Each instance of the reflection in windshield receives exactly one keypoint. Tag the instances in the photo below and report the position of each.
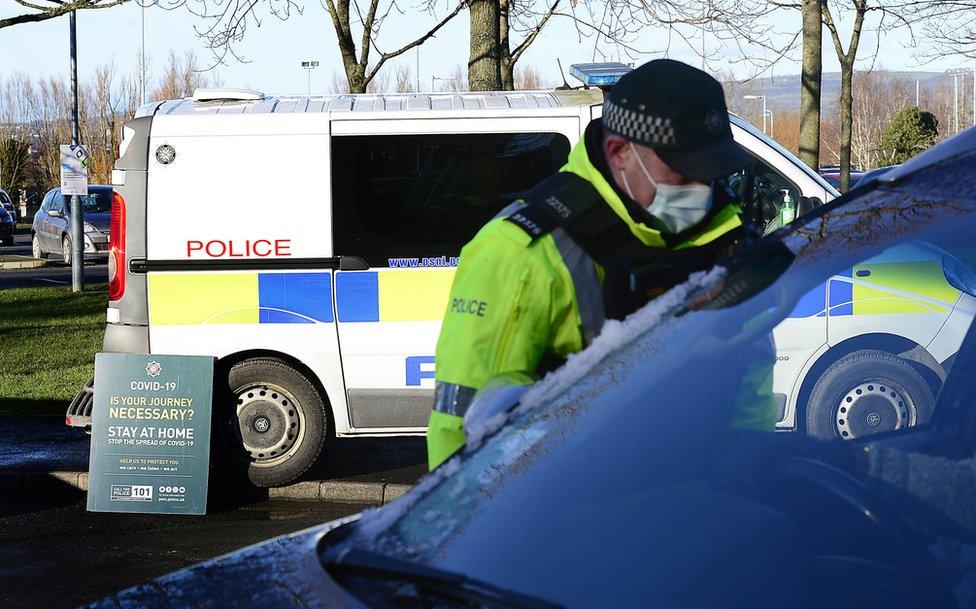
(866, 320)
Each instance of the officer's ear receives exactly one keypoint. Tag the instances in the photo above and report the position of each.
(617, 152)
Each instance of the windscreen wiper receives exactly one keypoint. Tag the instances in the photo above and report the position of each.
(455, 585)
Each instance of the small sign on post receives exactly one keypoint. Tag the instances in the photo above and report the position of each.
(74, 169)
(150, 446)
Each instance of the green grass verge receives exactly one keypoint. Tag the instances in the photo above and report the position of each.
(49, 338)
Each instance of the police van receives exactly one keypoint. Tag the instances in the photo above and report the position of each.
(309, 244)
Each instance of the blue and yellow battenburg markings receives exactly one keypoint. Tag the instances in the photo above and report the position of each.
(881, 288)
(273, 298)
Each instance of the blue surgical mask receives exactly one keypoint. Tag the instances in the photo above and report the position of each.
(677, 207)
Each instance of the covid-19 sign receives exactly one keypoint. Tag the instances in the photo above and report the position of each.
(150, 446)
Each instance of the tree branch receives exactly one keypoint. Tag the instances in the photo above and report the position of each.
(385, 56)
(52, 12)
(529, 39)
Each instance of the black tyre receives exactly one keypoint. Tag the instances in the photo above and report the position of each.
(868, 392)
(271, 423)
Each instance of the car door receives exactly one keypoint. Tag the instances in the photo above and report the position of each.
(406, 196)
(40, 224)
(55, 225)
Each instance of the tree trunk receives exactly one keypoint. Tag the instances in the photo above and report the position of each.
(810, 79)
(846, 119)
(355, 76)
(484, 65)
(506, 64)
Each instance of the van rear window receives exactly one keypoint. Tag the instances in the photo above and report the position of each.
(405, 197)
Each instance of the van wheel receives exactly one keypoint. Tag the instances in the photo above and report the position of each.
(36, 250)
(272, 421)
(66, 249)
(868, 392)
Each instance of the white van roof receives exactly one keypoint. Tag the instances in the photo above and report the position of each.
(406, 102)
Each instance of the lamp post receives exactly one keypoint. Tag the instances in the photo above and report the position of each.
(77, 216)
(308, 66)
(955, 112)
(142, 59)
(765, 112)
(957, 74)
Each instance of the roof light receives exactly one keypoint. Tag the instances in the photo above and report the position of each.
(603, 75)
(226, 94)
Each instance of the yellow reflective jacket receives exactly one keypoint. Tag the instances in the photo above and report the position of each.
(513, 302)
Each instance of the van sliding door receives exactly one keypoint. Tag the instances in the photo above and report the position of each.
(407, 195)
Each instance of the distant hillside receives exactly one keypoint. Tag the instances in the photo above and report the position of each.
(783, 92)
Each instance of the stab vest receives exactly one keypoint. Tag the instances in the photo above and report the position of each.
(588, 231)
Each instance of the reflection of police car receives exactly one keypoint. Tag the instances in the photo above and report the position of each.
(867, 350)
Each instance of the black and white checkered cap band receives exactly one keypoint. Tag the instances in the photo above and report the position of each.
(637, 127)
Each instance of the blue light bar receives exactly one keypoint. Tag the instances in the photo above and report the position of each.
(599, 74)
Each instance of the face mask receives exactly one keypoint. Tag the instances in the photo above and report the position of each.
(677, 207)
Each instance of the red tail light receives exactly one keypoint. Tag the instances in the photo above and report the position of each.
(116, 246)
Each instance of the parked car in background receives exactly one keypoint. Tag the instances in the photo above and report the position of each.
(831, 173)
(870, 175)
(51, 230)
(7, 203)
(619, 480)
(7, 224)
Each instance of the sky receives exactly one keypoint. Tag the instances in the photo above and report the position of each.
(276, 49)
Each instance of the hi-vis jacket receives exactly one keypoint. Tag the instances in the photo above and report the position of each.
(524, 298)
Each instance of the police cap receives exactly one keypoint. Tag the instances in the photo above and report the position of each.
(679, 112)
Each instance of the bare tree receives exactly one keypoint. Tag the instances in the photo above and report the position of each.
(484, 54)
(494, 55)
(522, 17)
(41, 10)
(950, 28)
(869, 118)
(35, 119)
(404, 80)
(529, 78)
(811, 76)
(891, 15)
(846, 59)
(181, 76)
(357, 29)
(338, 83)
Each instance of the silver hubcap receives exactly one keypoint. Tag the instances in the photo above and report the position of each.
(268, 423)
(873, 407)
(66, 250)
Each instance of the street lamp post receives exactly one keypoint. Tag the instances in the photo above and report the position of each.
(142, 58)
(765, 112)
(77, 218)
(308, 66)
(955, 113)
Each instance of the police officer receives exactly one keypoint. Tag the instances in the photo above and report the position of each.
(633, 213)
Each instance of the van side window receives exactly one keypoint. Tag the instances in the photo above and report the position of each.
(425, 196)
